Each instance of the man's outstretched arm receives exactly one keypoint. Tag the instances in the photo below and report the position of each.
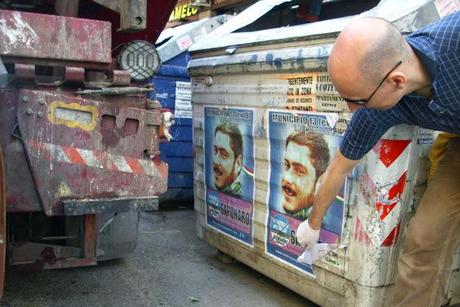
(337, 171)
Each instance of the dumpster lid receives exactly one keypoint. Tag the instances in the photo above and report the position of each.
(391, 10)
(179, 30)
(174, 41)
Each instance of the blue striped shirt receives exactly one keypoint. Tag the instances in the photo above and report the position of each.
(438, 47)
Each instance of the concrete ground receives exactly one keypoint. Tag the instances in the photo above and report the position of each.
(170, 267)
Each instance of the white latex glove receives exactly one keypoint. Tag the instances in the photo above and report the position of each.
(317, 252)
(306, 235)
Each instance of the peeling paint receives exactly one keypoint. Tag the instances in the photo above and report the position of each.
(18, 32)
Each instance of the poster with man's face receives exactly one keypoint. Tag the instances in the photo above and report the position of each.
(301, 146)
(229, 165)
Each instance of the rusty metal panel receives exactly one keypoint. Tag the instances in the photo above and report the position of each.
(82, 207)
(90, 149)
(133, 13)
(2, 222)
(30, 252)
(20, 191)
(89, 236)
(28, 35)
(39, 256)
(157, 15)
(3, 75)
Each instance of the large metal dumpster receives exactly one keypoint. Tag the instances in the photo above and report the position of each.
(171, 85)
(265, 116)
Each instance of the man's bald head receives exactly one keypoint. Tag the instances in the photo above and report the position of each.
(365, 50)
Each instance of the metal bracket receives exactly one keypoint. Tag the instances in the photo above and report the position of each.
(15, 131)
(198, 3)
(133, 13)
(114, 91)
(3, 75)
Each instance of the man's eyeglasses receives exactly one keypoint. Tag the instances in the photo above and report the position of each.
(363, 102)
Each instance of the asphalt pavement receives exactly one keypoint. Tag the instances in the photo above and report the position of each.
(170, 267)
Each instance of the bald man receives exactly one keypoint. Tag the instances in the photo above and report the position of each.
(388, 80)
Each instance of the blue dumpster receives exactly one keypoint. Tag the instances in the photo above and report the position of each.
(172, 90)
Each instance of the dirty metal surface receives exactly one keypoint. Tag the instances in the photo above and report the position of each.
(157, 16)
(28, 252)
(2, 222)
(407, 16)
(93, 149)
(69, 74)
(3, 75)
(42, 256)
(117, 234)
(133, 13)
(378, 196)
(89, 237)
(96, 238)
(20, 188)
(183, 37)
(290, 76)
(28, 35)
(81, 207)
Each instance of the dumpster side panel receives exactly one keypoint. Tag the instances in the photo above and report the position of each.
(377, 198)
(281, 76)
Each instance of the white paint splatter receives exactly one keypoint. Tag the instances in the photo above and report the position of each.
(18, 32)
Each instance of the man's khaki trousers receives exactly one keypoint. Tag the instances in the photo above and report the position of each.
(432, 237)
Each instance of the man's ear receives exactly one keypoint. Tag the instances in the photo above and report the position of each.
(398, 80)
(238, 164)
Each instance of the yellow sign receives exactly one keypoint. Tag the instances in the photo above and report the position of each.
(313, 92)
(182, 11)
(73, 115)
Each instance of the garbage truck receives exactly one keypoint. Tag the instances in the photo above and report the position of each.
(79, 139)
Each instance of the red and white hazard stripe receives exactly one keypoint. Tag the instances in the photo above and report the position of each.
(92, 158)
(384, 180)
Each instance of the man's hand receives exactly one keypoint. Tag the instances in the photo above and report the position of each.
(307, 236)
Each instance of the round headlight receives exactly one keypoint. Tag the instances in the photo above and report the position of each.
(140, 59)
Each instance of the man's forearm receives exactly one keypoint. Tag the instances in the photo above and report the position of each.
(328, 190)
(332, 182)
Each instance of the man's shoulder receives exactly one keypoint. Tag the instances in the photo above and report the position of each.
(367, 126)
(373, 117)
